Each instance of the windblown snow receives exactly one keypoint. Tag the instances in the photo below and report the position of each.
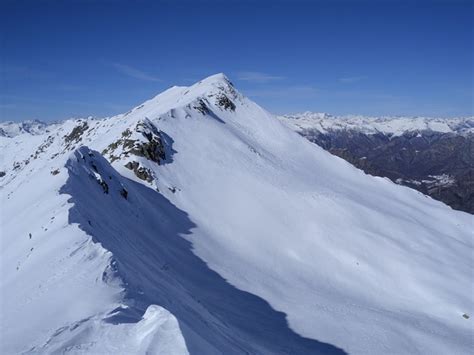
(199, 223)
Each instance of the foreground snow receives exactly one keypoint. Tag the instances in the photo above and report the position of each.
(245, 237)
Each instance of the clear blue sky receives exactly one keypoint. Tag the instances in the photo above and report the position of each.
(63, 59)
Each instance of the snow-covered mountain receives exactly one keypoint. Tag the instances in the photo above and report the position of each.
(389, 125)
(199, 223)
(12, 129)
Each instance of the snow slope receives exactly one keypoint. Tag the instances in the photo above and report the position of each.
(198, 223)
(394, 126)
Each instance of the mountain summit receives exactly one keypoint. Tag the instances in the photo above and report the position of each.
(199, 223)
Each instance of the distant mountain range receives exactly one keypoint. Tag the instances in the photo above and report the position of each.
(432, 155)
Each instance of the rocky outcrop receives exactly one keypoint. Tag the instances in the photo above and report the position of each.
(140, 171)
(224, 102)
(144, 141)
(75, 136)
(154, 148)
(201, 107)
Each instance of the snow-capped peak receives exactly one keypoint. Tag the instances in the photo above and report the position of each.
(216, 88)
(215, 79)
(215, 91)
(390, 125)
(11, 129)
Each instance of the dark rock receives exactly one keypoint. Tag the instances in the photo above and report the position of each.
(140, 172)
(144, 174)
(43, 146)
(104, 185)
(132, 165)
(127, 133)
(152, 148)
(225, 102)
(76, 134)
(2, 173)
(202, 107)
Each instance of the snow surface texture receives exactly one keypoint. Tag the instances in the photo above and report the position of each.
(394, 126)
(197, 223)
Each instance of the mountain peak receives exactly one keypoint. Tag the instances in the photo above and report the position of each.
(208, 85)
(216, 78)
(11, 129)
(393, 125)
(215, 90)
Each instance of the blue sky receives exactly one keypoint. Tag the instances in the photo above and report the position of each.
(63, 59)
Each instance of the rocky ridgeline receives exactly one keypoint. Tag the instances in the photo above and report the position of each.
(146, 141)
(142, 139)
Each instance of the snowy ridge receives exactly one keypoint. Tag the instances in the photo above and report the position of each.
(395, 126)
(199, 223)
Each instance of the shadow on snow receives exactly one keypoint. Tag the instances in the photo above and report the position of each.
(157, 266)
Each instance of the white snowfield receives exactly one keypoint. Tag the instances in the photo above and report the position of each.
(393, 126)
(244, 238)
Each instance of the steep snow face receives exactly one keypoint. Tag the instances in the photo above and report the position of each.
(395, 126)
(198, 222)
